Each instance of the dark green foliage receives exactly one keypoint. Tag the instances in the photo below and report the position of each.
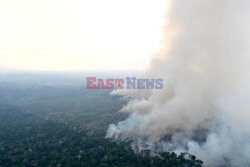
(66, 127)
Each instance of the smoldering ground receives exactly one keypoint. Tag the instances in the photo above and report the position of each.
(204, 106)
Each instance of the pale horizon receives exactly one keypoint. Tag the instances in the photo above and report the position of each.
(79, 35)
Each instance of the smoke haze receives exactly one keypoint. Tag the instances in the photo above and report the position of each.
(204, 106)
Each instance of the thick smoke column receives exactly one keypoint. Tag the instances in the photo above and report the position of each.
(204, 108)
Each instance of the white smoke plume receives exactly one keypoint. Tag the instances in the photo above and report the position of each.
(204, 108)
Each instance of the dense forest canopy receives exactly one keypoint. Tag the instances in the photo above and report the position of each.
(52, 120)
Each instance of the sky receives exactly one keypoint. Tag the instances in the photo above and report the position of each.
(73, 35)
